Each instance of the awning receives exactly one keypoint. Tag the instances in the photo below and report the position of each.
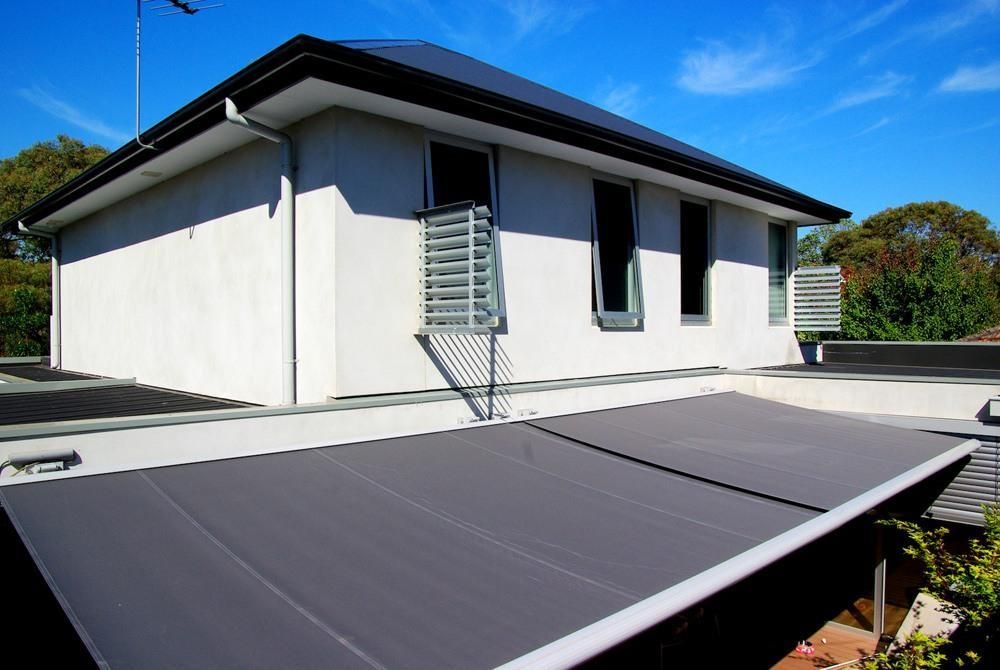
(468, 548)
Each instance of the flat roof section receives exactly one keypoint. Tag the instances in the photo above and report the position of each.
(41, 373)
(99, 403)
(883, 370)
(802, 456)
(467, 548)
(460, 549)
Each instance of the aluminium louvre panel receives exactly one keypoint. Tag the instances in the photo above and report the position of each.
(816, 298)
(976, 485)
(456, 266)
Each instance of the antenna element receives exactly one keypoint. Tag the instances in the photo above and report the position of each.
(189, 7)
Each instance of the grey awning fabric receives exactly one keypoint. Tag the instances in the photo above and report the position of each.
(466, 548)
(810, 458)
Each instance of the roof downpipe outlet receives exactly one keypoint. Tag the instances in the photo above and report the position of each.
(288, 365)
(55, 326)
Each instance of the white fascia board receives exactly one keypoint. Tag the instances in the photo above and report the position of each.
(602, 635)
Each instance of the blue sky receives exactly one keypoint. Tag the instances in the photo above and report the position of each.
(865, 105)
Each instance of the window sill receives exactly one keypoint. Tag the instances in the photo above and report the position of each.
(618, 322)
(695, 320)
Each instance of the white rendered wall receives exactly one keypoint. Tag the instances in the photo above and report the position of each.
(544, 214)
(178, 286)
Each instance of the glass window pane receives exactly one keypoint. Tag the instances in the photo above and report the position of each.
(459, 174)
(777, 265)
(616, 246)
(695, 259)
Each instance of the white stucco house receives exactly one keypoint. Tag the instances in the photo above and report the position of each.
(606, 248)
(512, 336)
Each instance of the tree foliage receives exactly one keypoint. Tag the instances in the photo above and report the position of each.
(923, 271)
(24, 307)
(897, 229)
(812, 244)
(920, 293)
(968, 585)
(32, 174)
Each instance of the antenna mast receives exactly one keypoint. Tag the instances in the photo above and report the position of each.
(171, 7)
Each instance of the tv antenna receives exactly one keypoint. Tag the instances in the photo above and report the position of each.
(189, 7)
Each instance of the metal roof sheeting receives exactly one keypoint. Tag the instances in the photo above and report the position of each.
(427, 75)
(100, 402)
(467, 548)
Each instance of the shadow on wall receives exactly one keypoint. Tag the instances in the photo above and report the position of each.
(205, 193)
(473, 361)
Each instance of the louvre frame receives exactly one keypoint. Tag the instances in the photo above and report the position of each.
(458, 277)
(816, 298)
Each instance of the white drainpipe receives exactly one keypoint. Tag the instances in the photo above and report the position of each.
(288, 372)
(55, 327)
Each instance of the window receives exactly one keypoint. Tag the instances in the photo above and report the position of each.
(462, 280)
(617, 293)
(777, 277)
(696, 261)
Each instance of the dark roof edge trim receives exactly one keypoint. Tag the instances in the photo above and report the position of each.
(602, 635)
(303, 56)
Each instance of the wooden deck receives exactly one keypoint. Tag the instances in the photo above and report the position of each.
(841, 645)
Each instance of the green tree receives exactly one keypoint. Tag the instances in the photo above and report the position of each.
(968, 583)
(812, 244)
(30, 175)
(923, 271)
(24, 307)
(919, 223)
(919, 293)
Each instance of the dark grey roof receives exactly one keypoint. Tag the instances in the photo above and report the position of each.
(460, 549)
(885, 370)
(459, 67)
(785, 452)
(100, 402)
(41, 373)
(427, 75)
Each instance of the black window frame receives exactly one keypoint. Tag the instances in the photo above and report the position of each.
(430, 138)
(705, 317)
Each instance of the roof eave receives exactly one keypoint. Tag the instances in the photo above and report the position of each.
(303, 56)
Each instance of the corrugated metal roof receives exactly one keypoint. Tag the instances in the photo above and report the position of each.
(428, 75)
(41, 373)
(100, 402)
(459, 67)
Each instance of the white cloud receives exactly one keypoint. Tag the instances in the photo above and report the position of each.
(884, 121)
(972, 78)
(532, 16)
(61, 109)
(885, 86)
(873, 19)
(622, 99)
(957, 17)
(967, 14)
(718, 69)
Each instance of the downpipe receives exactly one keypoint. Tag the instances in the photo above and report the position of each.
(288, 370)
(55, 327)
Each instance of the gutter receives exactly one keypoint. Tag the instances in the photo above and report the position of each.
(55, 325)
(288, 363)
(305, 57)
